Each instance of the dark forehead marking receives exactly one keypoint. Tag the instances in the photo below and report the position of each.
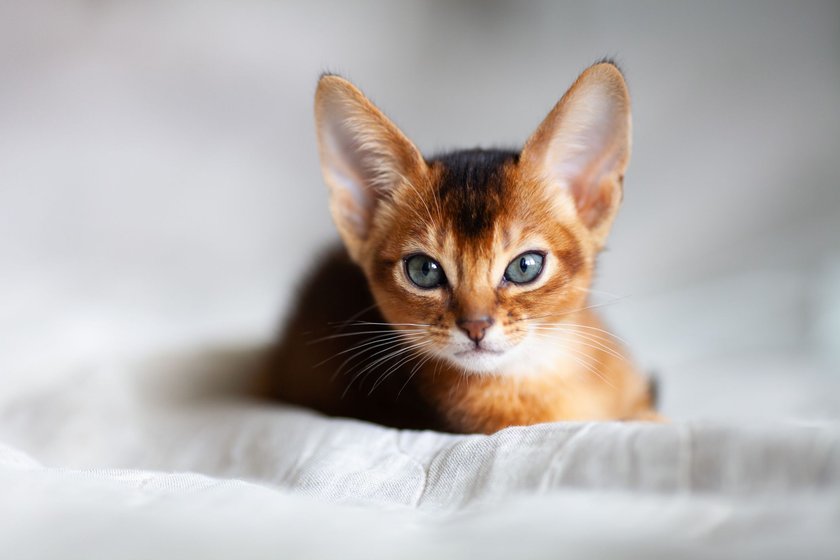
(472, 187)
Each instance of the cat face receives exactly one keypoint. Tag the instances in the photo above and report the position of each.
(471, 254)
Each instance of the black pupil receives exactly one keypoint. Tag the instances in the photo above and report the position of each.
(523, 264)
(426, 268)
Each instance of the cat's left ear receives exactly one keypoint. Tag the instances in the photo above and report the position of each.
(364, 158)
(583, 146)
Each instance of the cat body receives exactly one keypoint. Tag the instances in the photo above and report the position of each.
(460, 300)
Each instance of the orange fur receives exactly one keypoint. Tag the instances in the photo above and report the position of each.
(545, 356)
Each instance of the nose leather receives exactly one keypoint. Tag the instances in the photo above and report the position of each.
(475, 328)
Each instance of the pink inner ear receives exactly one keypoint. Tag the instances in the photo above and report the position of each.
(344, 159)
(594, 186)
(587, 150)
(363, 155)
(595, 202)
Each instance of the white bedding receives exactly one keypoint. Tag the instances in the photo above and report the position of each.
(161, 459)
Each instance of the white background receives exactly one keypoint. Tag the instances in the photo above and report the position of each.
(159, 184)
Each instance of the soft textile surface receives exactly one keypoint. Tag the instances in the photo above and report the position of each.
(162, 458)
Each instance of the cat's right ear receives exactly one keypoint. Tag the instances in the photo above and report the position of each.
(364, 157)
(583, 146)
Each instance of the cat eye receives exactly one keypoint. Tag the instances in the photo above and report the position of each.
(424, 271)
(525, 268)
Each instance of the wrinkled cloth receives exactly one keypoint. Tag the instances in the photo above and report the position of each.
(145, 461)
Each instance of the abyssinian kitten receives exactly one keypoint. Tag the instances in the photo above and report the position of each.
(459, 300)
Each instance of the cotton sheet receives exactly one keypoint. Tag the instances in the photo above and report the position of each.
(166, 458)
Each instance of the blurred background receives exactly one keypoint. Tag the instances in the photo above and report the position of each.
(160, 189)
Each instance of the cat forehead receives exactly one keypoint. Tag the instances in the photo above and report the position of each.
(475, 203)
(474, 189)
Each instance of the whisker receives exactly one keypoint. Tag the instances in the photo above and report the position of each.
(367, 368)
(601, 347)
(393, 324)
(611, 343)
(414, 370)
(598, 332)
(585, 336)
(423, 200)
(608, 333)
(369, 345)
(378, 338)
(359, 333)
(547, 336)
(401, 358)
(591, 368)
(355, 315)
(577, 356)
(393, 368)
(571, 311)
(580, 358)
(390, 347)
(438, 206)
(594, 291)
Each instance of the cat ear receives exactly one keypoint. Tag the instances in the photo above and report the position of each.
(364, 157)
(583, 146)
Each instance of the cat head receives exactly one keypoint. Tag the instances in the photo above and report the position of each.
(465, 252)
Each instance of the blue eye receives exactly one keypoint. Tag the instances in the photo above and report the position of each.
(525, 268)
(424, 271)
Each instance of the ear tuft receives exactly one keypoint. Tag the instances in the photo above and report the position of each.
(608, 60)
(364, 156)
(583, 145)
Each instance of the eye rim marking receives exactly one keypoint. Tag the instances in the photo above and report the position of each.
(442, 282)
(543, 256)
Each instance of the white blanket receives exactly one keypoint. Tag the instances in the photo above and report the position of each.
(162, 459)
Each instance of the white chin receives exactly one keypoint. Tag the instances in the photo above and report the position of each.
(478, 361)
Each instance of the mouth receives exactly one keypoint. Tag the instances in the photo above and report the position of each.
(478, 360)
(478, 352)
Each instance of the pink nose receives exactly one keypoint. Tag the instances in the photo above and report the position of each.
(475, 328)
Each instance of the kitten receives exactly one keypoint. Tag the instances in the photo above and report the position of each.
(459, 301)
